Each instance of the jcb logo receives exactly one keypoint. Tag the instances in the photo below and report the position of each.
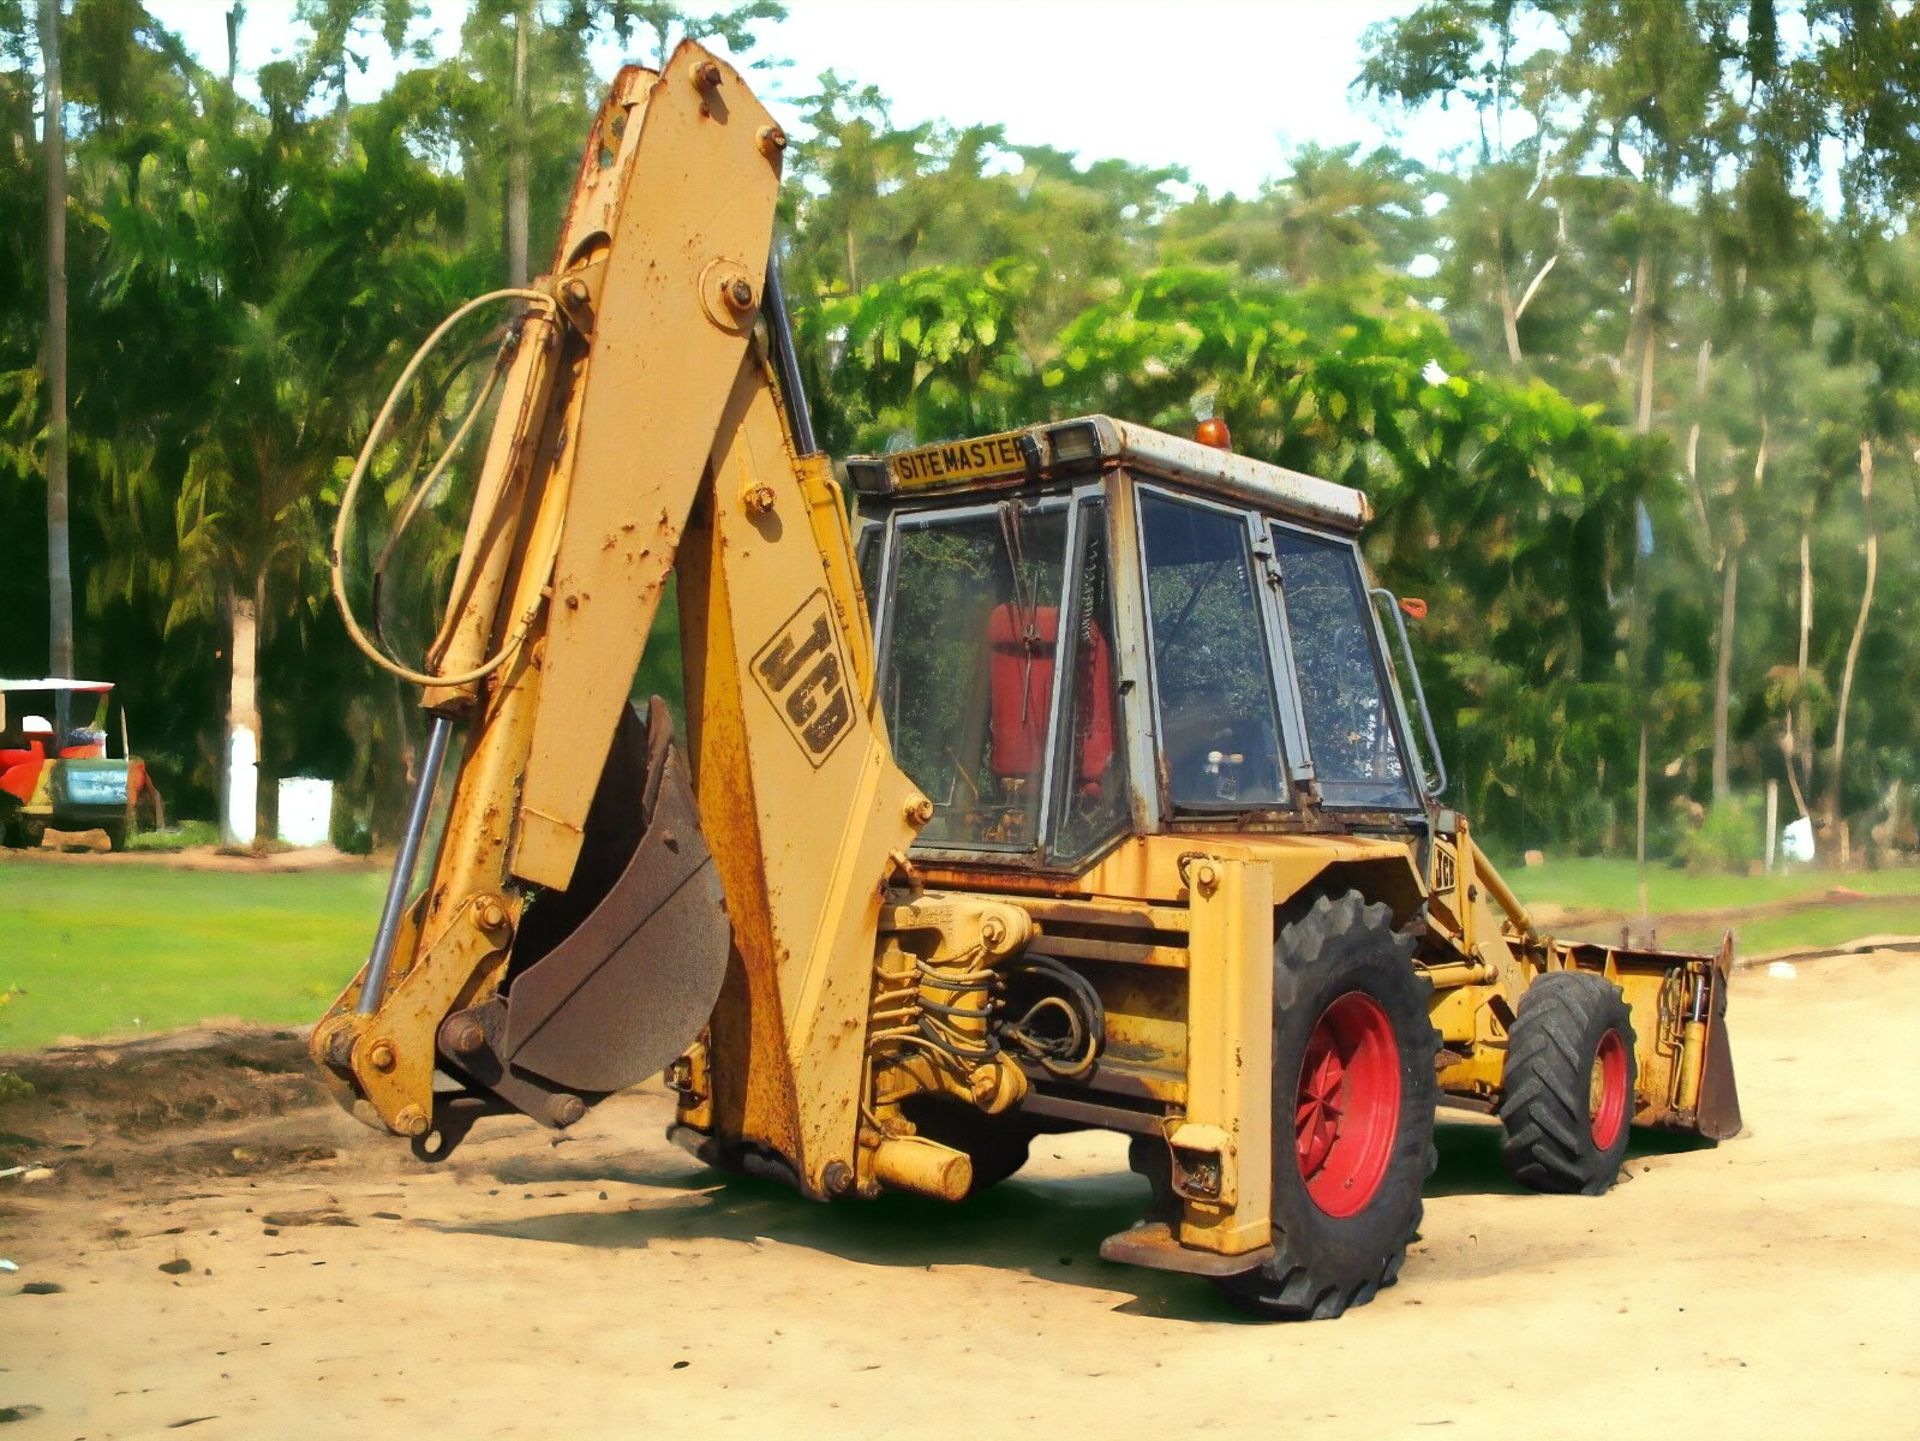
(804, 674)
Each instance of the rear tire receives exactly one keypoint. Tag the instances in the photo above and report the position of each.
(1569, 1085)
(1353, 1102)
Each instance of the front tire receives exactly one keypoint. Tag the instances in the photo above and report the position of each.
(1568, 1087)
(1354, 1093)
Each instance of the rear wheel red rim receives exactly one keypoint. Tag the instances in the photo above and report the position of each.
(1607, 1090)
(1347, 1104)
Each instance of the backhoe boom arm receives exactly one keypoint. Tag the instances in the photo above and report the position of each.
(571, 937)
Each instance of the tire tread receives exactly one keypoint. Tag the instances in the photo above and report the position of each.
(1548, 1144)
(1287, 1287)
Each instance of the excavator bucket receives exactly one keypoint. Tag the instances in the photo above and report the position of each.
(613, 977)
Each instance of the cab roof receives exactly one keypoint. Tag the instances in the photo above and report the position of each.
(1061, 448)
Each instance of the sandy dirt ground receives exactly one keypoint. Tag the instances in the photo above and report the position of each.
(238, 1262)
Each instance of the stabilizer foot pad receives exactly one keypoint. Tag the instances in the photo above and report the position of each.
(1152, 1244)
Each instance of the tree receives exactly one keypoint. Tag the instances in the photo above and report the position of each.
(737, 27)
(1333, 218)
(533, 35)
(1685, 138)
(929, 356)
(299, 247)
(1863, 72)
(59, 564)
(840, 179)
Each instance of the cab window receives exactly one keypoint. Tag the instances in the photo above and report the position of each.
(967, 683)
(1213, 683)
(1351, 734)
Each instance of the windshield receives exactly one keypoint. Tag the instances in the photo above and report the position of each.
(1214, 686)
(1350, 728)
(967, 683)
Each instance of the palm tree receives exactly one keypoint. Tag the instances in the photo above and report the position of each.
(299, 274)
(59, 566)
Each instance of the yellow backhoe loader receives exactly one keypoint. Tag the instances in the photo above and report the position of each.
(1072, 784)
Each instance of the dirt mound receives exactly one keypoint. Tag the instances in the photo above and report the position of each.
(182, 1102)
(205, 858)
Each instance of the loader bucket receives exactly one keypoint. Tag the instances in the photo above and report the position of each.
(1679, 1005)
(615, 976)
(1717, 1111)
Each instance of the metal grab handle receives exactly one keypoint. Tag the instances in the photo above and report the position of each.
(1437, 777)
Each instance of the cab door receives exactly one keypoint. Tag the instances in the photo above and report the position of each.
(1354, 727)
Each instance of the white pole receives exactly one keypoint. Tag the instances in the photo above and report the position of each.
(1773, 821)
(243, 785)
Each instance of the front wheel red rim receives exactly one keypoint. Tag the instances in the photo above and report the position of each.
(1607, 1090)
(1347, 1104)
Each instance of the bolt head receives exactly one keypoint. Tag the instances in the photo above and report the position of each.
(759, 498)
(919, 811)
(706, 75)
(773, 140)
(738, 293)
(576, 291)
(468, 1037)
(380, 1056)
(837, 1178)
(563, 1110)
(412, 1121)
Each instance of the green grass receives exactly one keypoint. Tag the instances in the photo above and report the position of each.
(175, 838)
(110, 949)
(99, 950)
(1812, 927)
(1613, 885)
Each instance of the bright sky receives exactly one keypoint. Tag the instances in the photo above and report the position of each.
(1223, 87)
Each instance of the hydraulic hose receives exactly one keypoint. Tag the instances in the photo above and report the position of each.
(342, 527)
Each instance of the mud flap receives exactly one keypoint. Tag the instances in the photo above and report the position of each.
(1717, 1116)
(615, 976)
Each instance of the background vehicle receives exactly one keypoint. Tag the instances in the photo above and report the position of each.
(1169, 862)
(55, 772)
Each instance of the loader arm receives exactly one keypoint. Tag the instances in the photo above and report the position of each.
(590, 904)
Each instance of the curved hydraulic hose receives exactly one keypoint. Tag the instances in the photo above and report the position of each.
(343, 525)
(503, 355)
